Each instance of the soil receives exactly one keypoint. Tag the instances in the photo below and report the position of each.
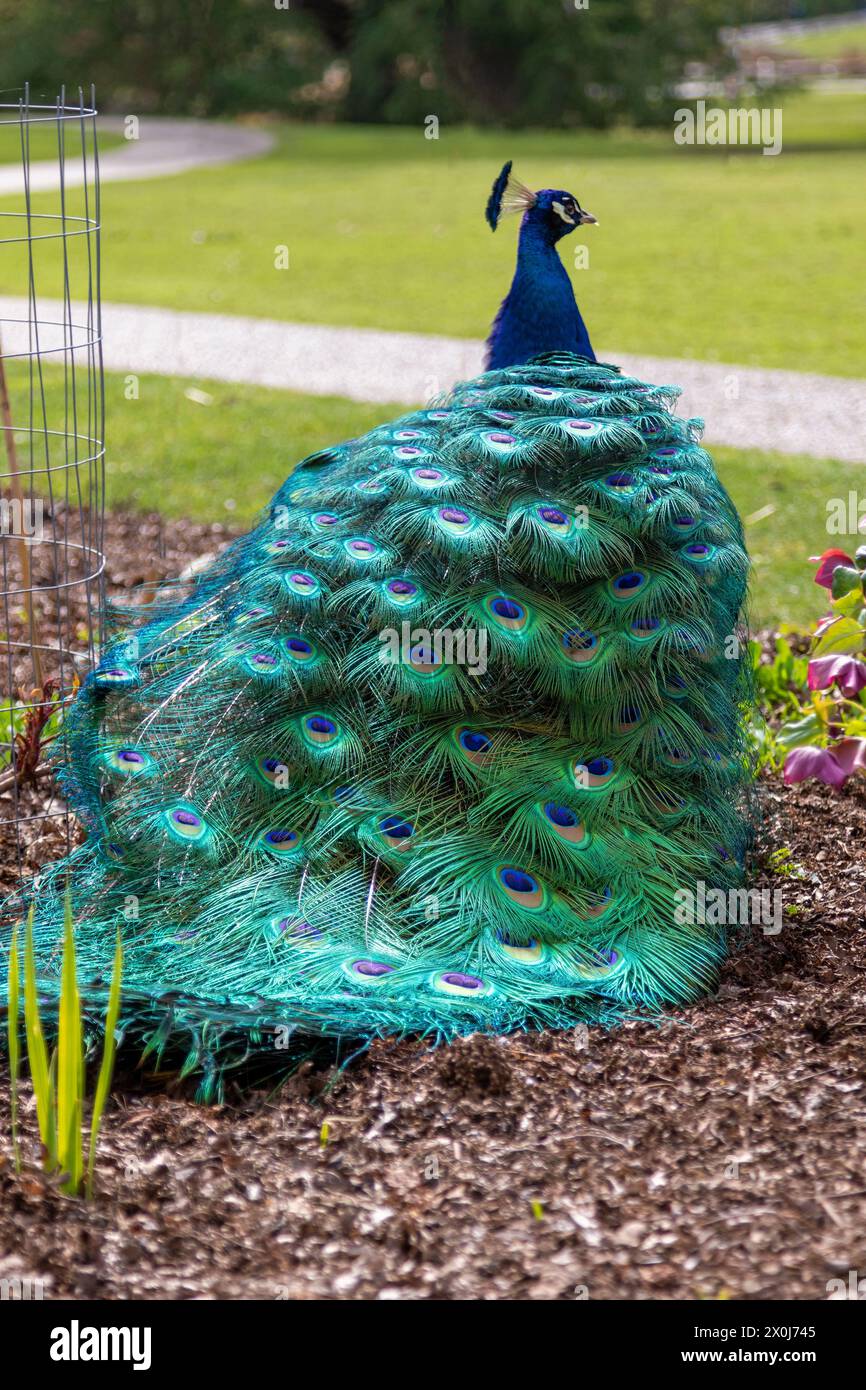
(143, 550)
(716, 1152)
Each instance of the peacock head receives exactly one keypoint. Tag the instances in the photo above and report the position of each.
(554, 210)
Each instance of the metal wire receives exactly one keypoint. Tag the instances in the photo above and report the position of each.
(52, 452)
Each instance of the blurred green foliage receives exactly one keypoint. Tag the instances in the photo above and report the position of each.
(505, 62)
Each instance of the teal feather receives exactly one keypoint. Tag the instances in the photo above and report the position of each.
(327, 827)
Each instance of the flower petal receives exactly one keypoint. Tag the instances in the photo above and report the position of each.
(827, 563)
(803, 763)
(850, 754)
(845, 671)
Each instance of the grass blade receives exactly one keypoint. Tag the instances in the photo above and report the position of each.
(70, 1062)
(37, 1053)
(107, 1064)
(12, 1025)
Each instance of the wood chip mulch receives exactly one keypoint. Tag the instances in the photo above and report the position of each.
(719, 1152)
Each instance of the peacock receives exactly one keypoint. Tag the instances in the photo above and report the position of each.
(445, 742)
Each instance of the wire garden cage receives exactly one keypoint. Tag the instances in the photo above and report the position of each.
(52, 465)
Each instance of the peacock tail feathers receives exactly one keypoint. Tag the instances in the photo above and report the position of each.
(435, 745)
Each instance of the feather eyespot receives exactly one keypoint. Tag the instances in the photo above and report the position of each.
(629, 719)
(579, 645)
(620, 484)
(599, 904)
(625, 586)
(507, 613)
(324, 521)
(298, 649)
(521, 887)
(424, 659)
(698, 554)
(129, 762)
(428, 477)
(476, 746)
(500, 441)
(369, 972)
(643, 629)
(674, 756)
(458, 982)
(303, 584)
(554, 518)
(397, 832)
(250, 615)
(282, 843)
(262, 663)
(565, 824)
(186, 824)
(273, 771)
(361, 548)
(593, 774)
(320, 730)
(110, 676)
(454, 519)
(530, 952)
(402, 593)
(604, 964)
(302, 933)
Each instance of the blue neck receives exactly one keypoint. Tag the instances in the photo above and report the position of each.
(539, 313)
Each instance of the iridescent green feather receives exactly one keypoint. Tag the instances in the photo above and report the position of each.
(433, 748)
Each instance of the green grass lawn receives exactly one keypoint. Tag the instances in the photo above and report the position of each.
(43, 142)
(223, 460)
(831, 43)
(722, 256)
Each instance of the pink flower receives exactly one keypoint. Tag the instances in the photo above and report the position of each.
(827, 563)
(831, 765)
(845, 671)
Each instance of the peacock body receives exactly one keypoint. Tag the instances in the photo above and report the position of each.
(435, 746)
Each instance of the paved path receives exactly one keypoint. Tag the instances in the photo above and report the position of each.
(165, 146)
(746, 407)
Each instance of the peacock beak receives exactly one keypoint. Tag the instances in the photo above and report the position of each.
(586, 217)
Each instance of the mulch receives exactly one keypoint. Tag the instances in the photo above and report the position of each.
(717, 1152)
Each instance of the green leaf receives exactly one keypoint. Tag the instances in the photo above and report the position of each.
(845, 578)
(12, 1024)
(849, 605)
(843, 636)
(70, 1061)
(107, 1064)
(795, 733)
(37, 1054)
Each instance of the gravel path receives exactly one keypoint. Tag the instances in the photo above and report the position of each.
(164, 146)
(745, 407)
